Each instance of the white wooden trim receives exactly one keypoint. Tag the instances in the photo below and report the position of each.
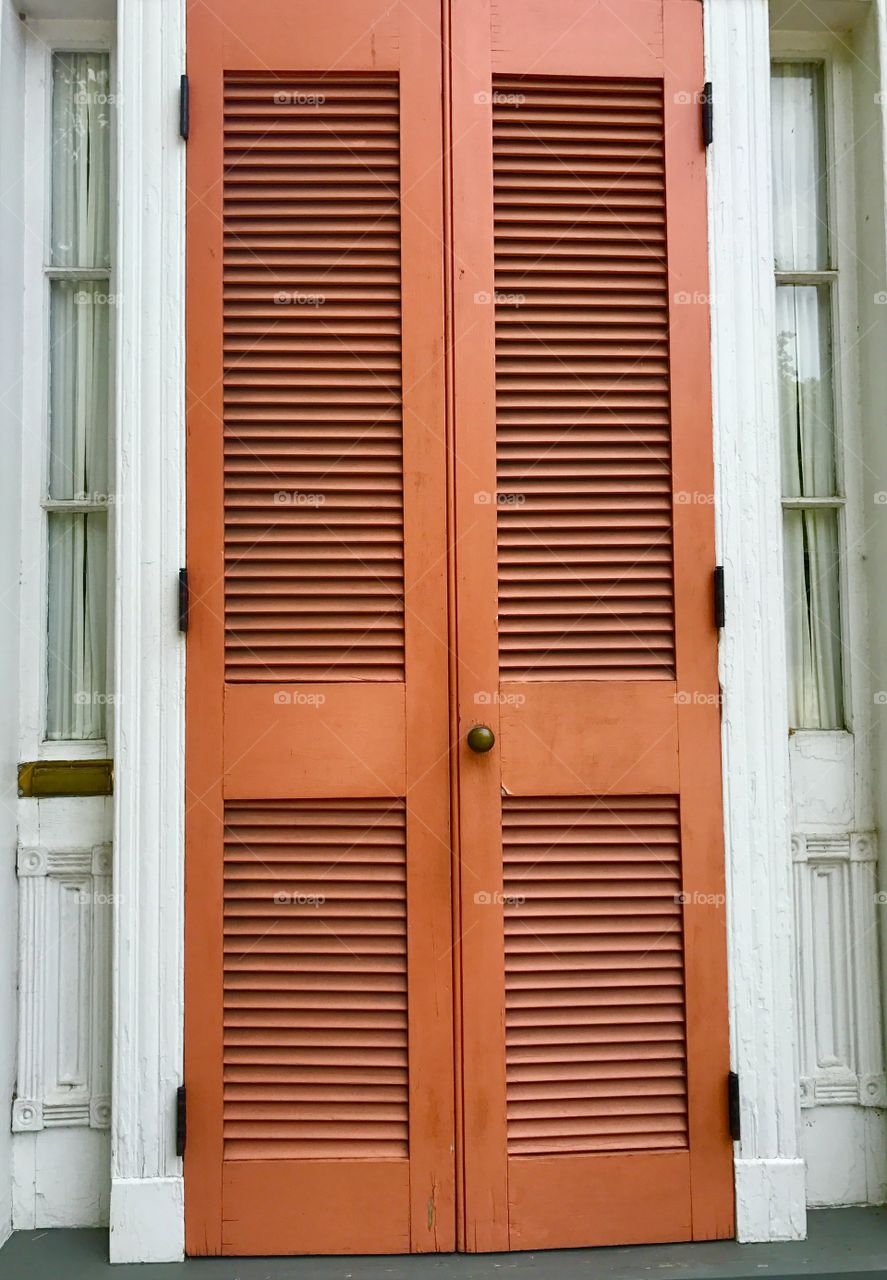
(770, 1199)
(147, 1217)
(848, 790)
(64, 975)
(147, 1220)
(42, 39)
(12, 237)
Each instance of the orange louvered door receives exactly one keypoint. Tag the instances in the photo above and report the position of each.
(591, 922)
(394, 539)
(318, 926)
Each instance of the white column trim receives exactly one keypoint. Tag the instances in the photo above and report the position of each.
(770, 1182)
(147, 1215)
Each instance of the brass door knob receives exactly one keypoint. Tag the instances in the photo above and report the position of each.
(480, 738)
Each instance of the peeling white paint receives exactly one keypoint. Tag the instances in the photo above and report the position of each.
(770, 1202)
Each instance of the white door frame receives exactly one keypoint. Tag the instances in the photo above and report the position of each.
(147, 1202)
(770, 1179)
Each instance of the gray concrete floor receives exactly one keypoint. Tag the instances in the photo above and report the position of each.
(841, 1242)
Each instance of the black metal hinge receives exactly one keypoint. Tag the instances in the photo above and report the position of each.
(184, 600)
(184, 108)
(181, 1121)
(708, 115)
(733, 1105)
(719, 598)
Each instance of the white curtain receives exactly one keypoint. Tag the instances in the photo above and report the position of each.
(81, 152)
(813, 619)
(811, 547)
(77, 636)
(806, 395)
(79, 394)
(800, 210)
(79, 400)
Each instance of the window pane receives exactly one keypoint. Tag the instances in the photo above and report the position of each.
(813, 617)
(806, 393)
(800, 200)
(81, 151)
(77, 635)
(78, 390)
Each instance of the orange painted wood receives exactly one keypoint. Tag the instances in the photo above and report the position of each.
(595, 1112)
(483, 1140)
(697, 674)
(567, 1215)
(348, 467)
(285, 740)
(429, 888)
(562, 37)
(357, 1205)
(594, 984)
(557, 741)
(319, 1043)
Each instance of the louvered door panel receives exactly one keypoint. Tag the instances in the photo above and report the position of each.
(594, 976)
(582, 389)
(338, 498)
(319, 1031)
(312, 323)
(591, 930)
(315, 980)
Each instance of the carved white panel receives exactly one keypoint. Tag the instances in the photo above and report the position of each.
(836, 905)
(64, 989)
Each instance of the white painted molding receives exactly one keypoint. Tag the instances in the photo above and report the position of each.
(836, 903)
(27, 1107)
(770, 1200)
(147, 1218)
(64, 975)
(772, 1194)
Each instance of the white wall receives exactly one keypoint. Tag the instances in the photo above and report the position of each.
(11, 286)
(870, 105)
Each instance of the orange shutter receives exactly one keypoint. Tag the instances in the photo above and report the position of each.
(592, 911)
(521, 514)
(319, 1024)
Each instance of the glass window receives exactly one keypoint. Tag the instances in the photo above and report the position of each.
(807, 407)
(806, 396)
(81, 160)
(78, 479)
(813, 618)
(800, 184)
(77, 629)
(79, 398)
